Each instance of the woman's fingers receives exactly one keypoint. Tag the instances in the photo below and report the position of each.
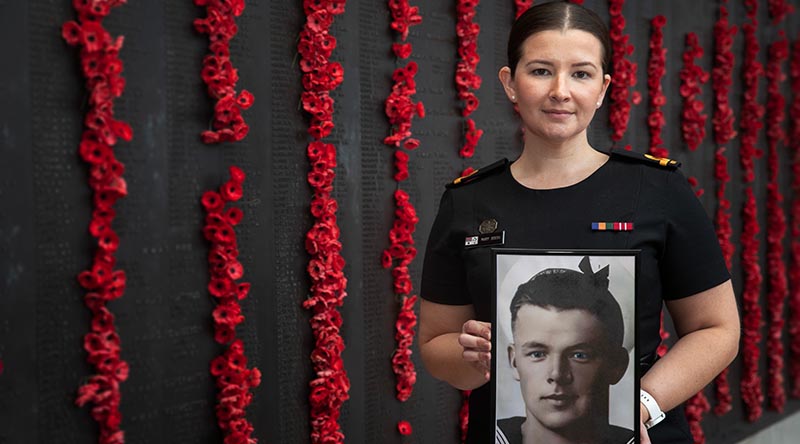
(644, 438)
(481, 361)
(475, 338)
(470, 342)
(477, 328)
(476, 335)
(483, 357)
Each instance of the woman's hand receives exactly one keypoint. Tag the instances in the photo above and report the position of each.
(644, 438)
(454, 347)
(476, 338)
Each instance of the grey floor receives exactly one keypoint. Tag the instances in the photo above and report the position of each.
(786, 431)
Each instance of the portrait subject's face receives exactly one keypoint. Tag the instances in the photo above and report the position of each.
(560, 360)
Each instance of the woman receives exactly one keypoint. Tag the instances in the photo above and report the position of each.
(548, 198)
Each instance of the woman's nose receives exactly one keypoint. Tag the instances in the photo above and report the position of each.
(558, 89)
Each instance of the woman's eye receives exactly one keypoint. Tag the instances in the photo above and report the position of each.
(539, 72)
(582, 75)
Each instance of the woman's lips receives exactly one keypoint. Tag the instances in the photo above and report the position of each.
(558, 114)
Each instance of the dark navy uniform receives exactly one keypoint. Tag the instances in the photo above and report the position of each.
(680, 254)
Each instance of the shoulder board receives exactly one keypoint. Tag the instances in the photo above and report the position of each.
(478, 174)
(647, 158)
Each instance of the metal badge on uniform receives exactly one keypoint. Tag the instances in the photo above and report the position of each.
(488, 226)
(488, 235)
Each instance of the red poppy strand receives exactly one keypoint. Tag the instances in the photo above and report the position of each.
(330, 386)
(693, 77)
(467, 78)
(778, 10)
(400, 111)
(693, 129)
(751, 122)
(656, 68)
(233, 379)
(794, 270)
(624, 69)
(722, 122)
(662, 348)
(219, 74)
(102, 68)
(722, 78)
(695, 184)
(522, 6)
(776, 223)
(696, 407)
(400, 107)
(463, 414)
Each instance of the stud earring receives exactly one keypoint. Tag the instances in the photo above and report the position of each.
(599, 103)
(513, 98)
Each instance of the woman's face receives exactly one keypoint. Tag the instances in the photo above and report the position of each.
(558, 84)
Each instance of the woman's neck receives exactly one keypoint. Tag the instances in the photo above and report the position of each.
(547, 166)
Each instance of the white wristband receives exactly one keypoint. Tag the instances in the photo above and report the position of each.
(649, 403)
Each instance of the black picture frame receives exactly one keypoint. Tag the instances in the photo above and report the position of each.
(514, 267)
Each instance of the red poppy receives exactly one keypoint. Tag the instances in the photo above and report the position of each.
(228, 314)
(220, 287)
(402, 50)
(212, 201)
(233, 216)
(778, 10)
(223, 333)
(245, 99)
(404, 428)
(231, 191)
(224, 234)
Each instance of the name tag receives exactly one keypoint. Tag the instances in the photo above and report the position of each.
(485, 240)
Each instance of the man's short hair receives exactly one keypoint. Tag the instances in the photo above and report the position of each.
(564, 289)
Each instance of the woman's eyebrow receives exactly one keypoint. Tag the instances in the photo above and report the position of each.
(548, 63)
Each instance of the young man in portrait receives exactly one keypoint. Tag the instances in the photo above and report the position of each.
(567, 350)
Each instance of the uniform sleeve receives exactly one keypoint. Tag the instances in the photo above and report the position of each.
(443, 275)
(692, 261)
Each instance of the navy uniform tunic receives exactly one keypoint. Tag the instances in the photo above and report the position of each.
(680, 254)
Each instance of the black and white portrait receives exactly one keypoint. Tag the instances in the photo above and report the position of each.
(564, 350)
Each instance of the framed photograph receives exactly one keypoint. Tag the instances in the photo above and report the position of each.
(564, 346)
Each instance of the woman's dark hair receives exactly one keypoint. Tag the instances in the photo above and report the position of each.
(563, 289)
(557, 15)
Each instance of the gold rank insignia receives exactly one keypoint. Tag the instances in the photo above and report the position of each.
(479, 173)
(646, 158)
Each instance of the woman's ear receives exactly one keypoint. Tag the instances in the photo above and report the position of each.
(512, 362)
(606, 83)
(508, 83)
